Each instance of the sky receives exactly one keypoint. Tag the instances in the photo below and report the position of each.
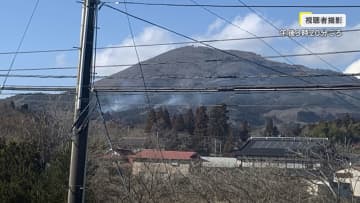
(56, 25)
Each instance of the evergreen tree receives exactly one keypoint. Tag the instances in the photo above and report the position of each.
(201, 126)
(173, 121)
(218, 123)
(20, 170)
(178, 123)
(163, 119)
(25, 178)
(166, 118)
(160, 122)
(270, 129)
(189, 121)
(150, 121)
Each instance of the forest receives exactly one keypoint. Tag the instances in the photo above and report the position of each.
(35, 155)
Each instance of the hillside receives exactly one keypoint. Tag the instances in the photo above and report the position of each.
(204, 67)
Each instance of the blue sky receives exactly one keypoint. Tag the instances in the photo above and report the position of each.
(56, 25)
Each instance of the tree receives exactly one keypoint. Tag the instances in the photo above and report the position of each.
(344, 131)
(163, 121)
(166, 118)
(275, 132)
(173, 120)
(20, 170)
(55, 178)
(201, 126)
(347, 121)
(229, 143)
(189, 121)
(291, 129)
(244, 130)
(150, 121)
(178, 123)
(270, 129)
(25, 178)
(218, 122)
(269, 125)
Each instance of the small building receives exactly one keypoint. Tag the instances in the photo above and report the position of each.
(282, 152)
(348, 181)
(150, 162)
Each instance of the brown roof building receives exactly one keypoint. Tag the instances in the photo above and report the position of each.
(151, 162)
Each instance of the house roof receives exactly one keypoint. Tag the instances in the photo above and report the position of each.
(280, 146)
(167, 155)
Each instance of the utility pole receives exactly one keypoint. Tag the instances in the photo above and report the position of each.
(76, 192)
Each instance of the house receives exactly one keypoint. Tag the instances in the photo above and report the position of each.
(348, 181)
(150, 162)
(282, 152)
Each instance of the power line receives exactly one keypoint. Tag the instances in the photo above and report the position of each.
(264, 76)
(175, 105)
(262, 40)
(231, 6)
(147, 97)
(160, 44)
(107, 134)
(190, 38)
(40, 88)
(38, 51)
(316, 54)
(268, 22)
(21, 42)
(138, 58)
(110, 144)
(205, 44)
(180, 62)
(242, 29)
(240, 89)
(175, 62)
(349, 95)
(316, 87)
(39, 76)
(291, 38)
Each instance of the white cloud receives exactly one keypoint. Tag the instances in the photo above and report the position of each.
(222, 30)
(115, 56)
(353, 68)
(349, 41)
(217, 30)
(247, 26)
(215, 26)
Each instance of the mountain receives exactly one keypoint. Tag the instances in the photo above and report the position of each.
(200, 67)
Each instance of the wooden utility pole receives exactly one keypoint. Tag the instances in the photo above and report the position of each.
(76, 192)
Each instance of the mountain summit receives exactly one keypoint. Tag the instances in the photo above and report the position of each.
(200, 66)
